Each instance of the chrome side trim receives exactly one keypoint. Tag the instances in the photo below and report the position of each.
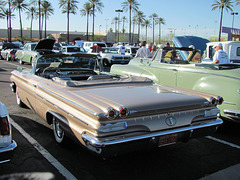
(97, 143)
(232, 113)
(193, 71)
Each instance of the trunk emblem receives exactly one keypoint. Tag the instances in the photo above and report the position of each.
(171, 121)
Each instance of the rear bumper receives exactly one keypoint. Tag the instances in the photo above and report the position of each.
(6, 153)
(232, 114)
(122, 145)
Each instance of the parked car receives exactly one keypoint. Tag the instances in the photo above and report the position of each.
(110, 55)
(88, 45)
(72, 50)
(223, 79)
(7, 145)
(31, 50)
(131, 50)
(110, 114)
(8, 51)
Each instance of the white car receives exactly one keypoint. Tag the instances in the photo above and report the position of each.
(111, 56)
(72, 50)
(7, 145)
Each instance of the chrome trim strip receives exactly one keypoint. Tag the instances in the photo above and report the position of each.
(193, 71)
(97, 143)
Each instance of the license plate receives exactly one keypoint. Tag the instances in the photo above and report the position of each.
(167, 140)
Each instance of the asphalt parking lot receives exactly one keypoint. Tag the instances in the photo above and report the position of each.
(212, 157)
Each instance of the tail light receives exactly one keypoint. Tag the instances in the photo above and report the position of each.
(219, 100)
(123, 112)
(213, 100)
(4, 126)
(111, 113)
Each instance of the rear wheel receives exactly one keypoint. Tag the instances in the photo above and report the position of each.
(58, 131)
(106, 63)
(21, 62)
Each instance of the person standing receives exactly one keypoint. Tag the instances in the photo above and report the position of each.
(143, 52)
(122, 49)
(220, 56)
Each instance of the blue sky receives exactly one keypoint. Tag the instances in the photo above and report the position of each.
(185, 17)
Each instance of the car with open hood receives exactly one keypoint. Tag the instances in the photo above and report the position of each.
(111, 114)
(31, 50)
(179, 67)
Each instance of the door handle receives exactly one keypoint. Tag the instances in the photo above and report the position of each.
(34, 85)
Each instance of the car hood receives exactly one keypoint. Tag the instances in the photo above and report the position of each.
(45, 44)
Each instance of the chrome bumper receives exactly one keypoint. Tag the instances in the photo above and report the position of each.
(6, 153)
(191, 131)
(232, 113)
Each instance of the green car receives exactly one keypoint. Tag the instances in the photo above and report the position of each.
(31, 50)
(168, 67)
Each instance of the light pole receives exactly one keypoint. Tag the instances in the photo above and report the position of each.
(119, 11)
(233, 13)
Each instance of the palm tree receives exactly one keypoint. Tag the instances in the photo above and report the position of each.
(159, 22)
(96, 6)
(115, 21)
(10, 8)
(4, 14)
(68, 6)
(47, 11)
(140, 18)
(20, 5)
(134, 22)
(237, 2)
(222, 4)
(130, 5)
(39, 15)
(86, 11)
(146, 24)
(31, 14)
(124, 19)
(153, 17)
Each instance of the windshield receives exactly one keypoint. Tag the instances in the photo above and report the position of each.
(110, 50)
(174, 55)
(75, 49)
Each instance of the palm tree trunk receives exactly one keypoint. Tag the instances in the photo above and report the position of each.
(130, 23)
(146, 33)
(87, 25)
(10, 23)
(159, 38)
(139, 32)
(68, 27)
(39, 16)
(93, 23)
(20, 19)
(45, 25)
(31, 28)
(153, 30)
(220, 28)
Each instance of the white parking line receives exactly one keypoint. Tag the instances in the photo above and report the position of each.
(223, 142)
(45, 153)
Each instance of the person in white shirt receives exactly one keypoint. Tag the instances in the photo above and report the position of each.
(143, 52)
(122, 49)
(220, 56)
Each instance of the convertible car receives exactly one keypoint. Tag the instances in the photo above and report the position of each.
(111, 114)
(169, 67)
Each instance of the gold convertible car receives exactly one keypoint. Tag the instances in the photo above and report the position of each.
(111, 114)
